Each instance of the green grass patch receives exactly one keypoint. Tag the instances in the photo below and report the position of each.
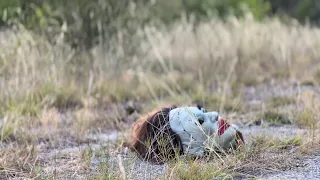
(308, 118)
(275, 118)
(196, 170)
(281, 101)
(30, 103)
(283, 143)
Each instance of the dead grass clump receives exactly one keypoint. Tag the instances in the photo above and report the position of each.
(111, 117)
(8, 128)
(63, 101)
(50, 118)
(308, 115)
(13, 129)
(113, 92)
(18, 161)
(312, 144)
(307, 118)
(281, 101)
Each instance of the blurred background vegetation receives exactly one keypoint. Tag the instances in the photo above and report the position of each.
(90, 54)
(87, 23)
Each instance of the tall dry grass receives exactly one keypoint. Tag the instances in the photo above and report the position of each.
(51, 92)
(207, 63)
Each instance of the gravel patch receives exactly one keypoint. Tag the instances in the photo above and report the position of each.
(272, 132)
(265, 91)
(310, 171)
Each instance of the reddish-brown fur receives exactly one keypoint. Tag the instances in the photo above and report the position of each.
(152, 137)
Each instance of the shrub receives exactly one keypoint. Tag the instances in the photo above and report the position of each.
(97, 21)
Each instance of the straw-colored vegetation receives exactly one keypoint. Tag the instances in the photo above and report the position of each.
(56, 97)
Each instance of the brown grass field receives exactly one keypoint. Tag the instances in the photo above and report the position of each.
(65, 114)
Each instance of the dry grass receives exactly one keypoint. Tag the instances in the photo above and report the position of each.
(262, 156)
(308, 116)
(53, 95)
(18, 161)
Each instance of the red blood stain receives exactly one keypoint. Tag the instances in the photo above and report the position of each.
(222, 126)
